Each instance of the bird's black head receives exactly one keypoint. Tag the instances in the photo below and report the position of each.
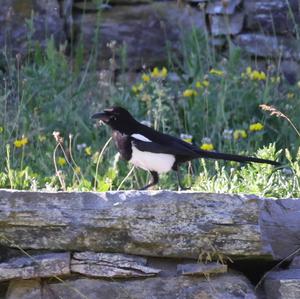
(116, 117)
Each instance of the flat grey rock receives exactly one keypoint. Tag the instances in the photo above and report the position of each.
(261, 45)
(146, 30)
(283, 284)
(109, 265)
(160, 223)
(14, 31)
(229, 286)
(43, 265)
(295, 264)
(201, 268)
(224, 25)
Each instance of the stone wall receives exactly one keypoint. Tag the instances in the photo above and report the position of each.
(146, 28)
(147, 245)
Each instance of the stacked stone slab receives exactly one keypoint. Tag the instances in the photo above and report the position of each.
(144, 244)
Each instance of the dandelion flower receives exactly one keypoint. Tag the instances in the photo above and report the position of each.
(21, 142)
(145, 78)
(290, 95)
(77, 170)
(189, 93)
(88, 151)
(207, 147)
(239, 134)
(164, 72)
(205, 83)
(156, 73)
(18, 143)
(61, 161)
(134, 89)
(256, 127)
(198, 84)
(258, 76)
(216, 72)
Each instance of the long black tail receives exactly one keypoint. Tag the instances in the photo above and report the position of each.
(237, 158)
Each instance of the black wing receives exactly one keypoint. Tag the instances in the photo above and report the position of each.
(173, 148)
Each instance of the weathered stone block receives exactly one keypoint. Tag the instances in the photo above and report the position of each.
(146, 31)
(283, 284)
(201, 269)
(44, 265)
(161, 223)
(227, 286)
(15, 31)
(224, 25)
(109, 265)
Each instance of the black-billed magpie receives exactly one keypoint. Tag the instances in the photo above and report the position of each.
(156, 152)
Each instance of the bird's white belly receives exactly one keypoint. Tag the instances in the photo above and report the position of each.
(152, 161)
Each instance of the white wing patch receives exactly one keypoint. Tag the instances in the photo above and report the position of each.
(152, 161)
(140, 137)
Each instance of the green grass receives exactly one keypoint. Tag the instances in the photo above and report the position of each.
(203, 95)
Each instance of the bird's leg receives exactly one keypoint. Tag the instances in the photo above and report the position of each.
(180, 186)
(153, 181)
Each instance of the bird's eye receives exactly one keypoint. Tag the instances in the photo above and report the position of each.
(114, 118)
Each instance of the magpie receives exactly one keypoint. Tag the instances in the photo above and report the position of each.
(154, 151)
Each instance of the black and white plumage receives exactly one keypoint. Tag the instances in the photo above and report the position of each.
(154, 151)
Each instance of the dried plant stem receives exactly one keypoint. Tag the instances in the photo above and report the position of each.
(98, 161)
(274, 111)
(127, 176)
(61, 180)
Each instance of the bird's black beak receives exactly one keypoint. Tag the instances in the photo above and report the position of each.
(101, 116)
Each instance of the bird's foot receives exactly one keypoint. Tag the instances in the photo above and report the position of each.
(182, 188)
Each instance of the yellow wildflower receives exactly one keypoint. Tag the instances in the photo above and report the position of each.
(239, 134)
(18, 143)
(156, 73)
(256, 127)
(134, 89)
(198, 84)
(190, 93)
(216, 72)
(1, 130)
(140, 87)
(205, 83)
(21, 142)
(95, 157)
(145, 78)
(61, 161)
(164, 72)
(207, 147)
(259, 76)
(254, 74)
(77, 170)
(290, 95)
(137, 88)
(88, 151)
